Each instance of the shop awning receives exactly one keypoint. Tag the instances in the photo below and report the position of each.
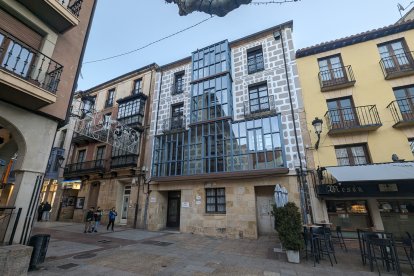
(373, 172)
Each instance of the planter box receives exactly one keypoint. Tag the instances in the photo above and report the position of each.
(293, 256)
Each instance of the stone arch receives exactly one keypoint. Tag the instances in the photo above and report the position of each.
(18, 138)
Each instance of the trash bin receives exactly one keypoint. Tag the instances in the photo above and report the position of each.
(39, 244)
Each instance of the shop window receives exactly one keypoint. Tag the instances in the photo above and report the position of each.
(397, 216)
(351, 155)
(216, 200)
(350, 215)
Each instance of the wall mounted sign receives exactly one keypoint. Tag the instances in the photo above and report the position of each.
(198, 202)
(153, 199)
(388, 187)
(185, 204)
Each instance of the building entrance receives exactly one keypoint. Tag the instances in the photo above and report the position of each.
(173, 210)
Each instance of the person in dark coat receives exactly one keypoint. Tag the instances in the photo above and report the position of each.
(40, 211)
(89, 220)
(112, 215)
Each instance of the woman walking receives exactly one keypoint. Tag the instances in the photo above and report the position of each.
(112, 216)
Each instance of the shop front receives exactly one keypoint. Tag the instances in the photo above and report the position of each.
(69, 199)
(377, 196)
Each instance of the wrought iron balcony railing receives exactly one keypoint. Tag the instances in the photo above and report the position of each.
(174, 124)
(129, 160)
(260, 107)
(177, 89)
(397, 65)
(74, 6)
(336, 78)
(85, 167)
(361, 118)
(29, 64)
(402, 111)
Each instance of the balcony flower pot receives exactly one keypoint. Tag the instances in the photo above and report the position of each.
(288, 224)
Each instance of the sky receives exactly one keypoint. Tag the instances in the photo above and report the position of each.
(124, 25)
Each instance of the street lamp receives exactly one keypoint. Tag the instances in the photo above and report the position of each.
(317, 124)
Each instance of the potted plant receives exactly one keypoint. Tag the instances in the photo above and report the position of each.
(288, 224)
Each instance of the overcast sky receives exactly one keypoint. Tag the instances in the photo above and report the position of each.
(124, 25)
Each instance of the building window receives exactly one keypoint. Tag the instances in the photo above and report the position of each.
(178, 83)
(342, 113)
(110, 98)
(216, 200)
(218, 147)
(177, 116)
(405, 101)
(81, 156)
(211, 99)
(131, 112)
(411, 143)
(395, 55)
(352, 155)
(137, 86)
(255, 60)
(211, 60)
(258, 98)
(106, 121)
(332, 70)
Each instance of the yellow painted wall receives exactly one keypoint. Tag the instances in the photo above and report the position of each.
(370, 89)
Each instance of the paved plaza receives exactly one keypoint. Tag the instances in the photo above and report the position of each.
(138, 252)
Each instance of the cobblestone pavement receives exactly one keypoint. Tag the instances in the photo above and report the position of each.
(138, 252)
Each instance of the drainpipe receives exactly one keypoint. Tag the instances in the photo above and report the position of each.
(143, 146)
(155, 133)
(300, 173)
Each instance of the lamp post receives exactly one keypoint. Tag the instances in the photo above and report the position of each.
(317, 124)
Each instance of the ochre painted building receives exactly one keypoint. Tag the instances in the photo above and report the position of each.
(362, 87)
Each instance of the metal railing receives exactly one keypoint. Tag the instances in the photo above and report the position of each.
(74, 6)
(259, 107)
(124, 161)
(336, 77)
(176, 89)
(6, 217)
(397, 64)
(87, 166)
(402, 110)
(29, 64)
(352, 117)
(176, 123)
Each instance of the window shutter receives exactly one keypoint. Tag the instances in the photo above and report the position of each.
(19, 30)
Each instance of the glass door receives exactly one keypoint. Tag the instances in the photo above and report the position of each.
(125, 204)
(342, 113)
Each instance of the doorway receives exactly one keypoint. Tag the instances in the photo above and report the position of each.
(93, 194)
(173, 210)
(264, 201)
(125, 204)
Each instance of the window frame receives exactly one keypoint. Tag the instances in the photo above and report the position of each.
(110, 98)
(411, 143)
(134, 90)
(178, 86)
(216, 197)
(351, 157)
(252, 54)
(257, 87)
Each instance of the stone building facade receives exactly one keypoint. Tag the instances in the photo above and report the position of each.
(98, 172)
(224, 137)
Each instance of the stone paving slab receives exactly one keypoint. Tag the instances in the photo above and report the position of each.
(62, 248)
(135, 235)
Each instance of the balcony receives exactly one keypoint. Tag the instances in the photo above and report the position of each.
(355, 119)
(59, 14)
(84, 168)
(336, 78)
(177, 89)
(124, 161)
(27, 77)
(402, 111)
(396, 66)
(258, 108)
(174, 124)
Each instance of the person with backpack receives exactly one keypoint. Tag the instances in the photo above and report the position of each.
(112, 216)
(89, 220)
(97, 217)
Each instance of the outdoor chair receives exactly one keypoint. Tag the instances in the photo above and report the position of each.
(339, 238)
(382, 249)
(325, 245)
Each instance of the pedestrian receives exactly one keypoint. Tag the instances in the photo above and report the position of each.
(88, 220)
(40, 211)
(46, 211)
(112, 216)
(97, 217)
